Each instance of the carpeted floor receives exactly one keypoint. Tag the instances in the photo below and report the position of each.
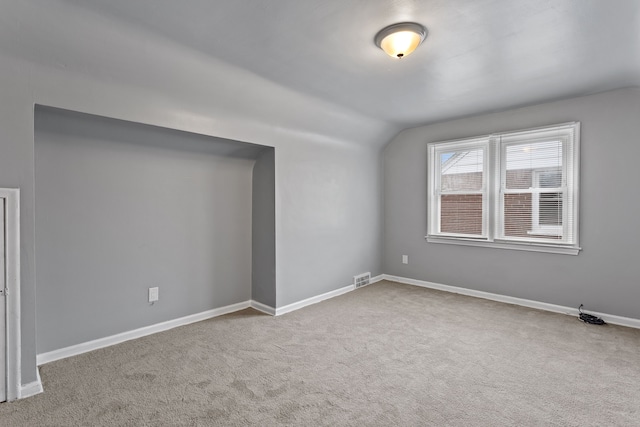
(386, 354)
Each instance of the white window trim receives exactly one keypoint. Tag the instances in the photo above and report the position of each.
(491, 179)
(475, 143)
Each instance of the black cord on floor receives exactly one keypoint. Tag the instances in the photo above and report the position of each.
(588, 318)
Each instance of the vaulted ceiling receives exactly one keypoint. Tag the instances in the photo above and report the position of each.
(479, 56)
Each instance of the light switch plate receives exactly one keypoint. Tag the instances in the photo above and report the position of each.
(153, 294)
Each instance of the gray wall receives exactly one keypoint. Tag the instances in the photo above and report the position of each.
(604, 276)
(327, 200)
(263, 220)
(89, 64)
(121, 207)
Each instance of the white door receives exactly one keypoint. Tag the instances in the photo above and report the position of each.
(3, 305)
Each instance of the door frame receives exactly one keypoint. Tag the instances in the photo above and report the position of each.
(11, 197)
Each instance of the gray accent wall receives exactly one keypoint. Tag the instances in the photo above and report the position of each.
(121, 207)
(231, 115)
(91, 66)
(327, 200)
(263, 220)
(604, 276)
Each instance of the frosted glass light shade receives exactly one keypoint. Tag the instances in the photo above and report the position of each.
(399, 40)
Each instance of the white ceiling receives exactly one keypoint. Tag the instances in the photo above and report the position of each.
(480, 55)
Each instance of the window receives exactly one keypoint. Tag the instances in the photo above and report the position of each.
(516, 190)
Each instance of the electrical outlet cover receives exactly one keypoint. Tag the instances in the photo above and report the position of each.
(153, 294)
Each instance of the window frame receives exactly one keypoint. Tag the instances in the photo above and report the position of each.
(494, 180)
(469, 143)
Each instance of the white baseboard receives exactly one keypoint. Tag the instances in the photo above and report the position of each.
(77, 349)
(74, 350)
(377, 278)
(31, 389)
(313, 300)
(305, 302)
(609, 318)
(263, 308)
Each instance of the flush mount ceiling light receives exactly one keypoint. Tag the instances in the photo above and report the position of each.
(399, 40)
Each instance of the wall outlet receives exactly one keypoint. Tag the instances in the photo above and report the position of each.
(153, 294)
(405, 259)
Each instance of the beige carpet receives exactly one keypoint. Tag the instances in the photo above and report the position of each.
(387, 354)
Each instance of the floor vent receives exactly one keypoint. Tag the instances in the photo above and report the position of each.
(362, 279)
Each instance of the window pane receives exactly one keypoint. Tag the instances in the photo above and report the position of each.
(530, 166)
(550, 178)
(520, 219)
(462, 170)
(461, 214)
(517, 214)
(550, 209)
(522, 159)
(519, 179)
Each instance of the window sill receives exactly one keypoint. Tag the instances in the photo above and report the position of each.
(517, 246)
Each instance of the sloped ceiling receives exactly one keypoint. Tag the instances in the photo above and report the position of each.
(480, 55)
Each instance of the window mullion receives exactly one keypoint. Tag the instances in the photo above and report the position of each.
(500, 174)
(493, 189)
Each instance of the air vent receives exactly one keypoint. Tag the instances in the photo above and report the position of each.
(362, 279)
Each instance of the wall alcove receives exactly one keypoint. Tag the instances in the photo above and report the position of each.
(123, 206)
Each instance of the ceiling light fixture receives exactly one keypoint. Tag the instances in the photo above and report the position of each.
(399, 40)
